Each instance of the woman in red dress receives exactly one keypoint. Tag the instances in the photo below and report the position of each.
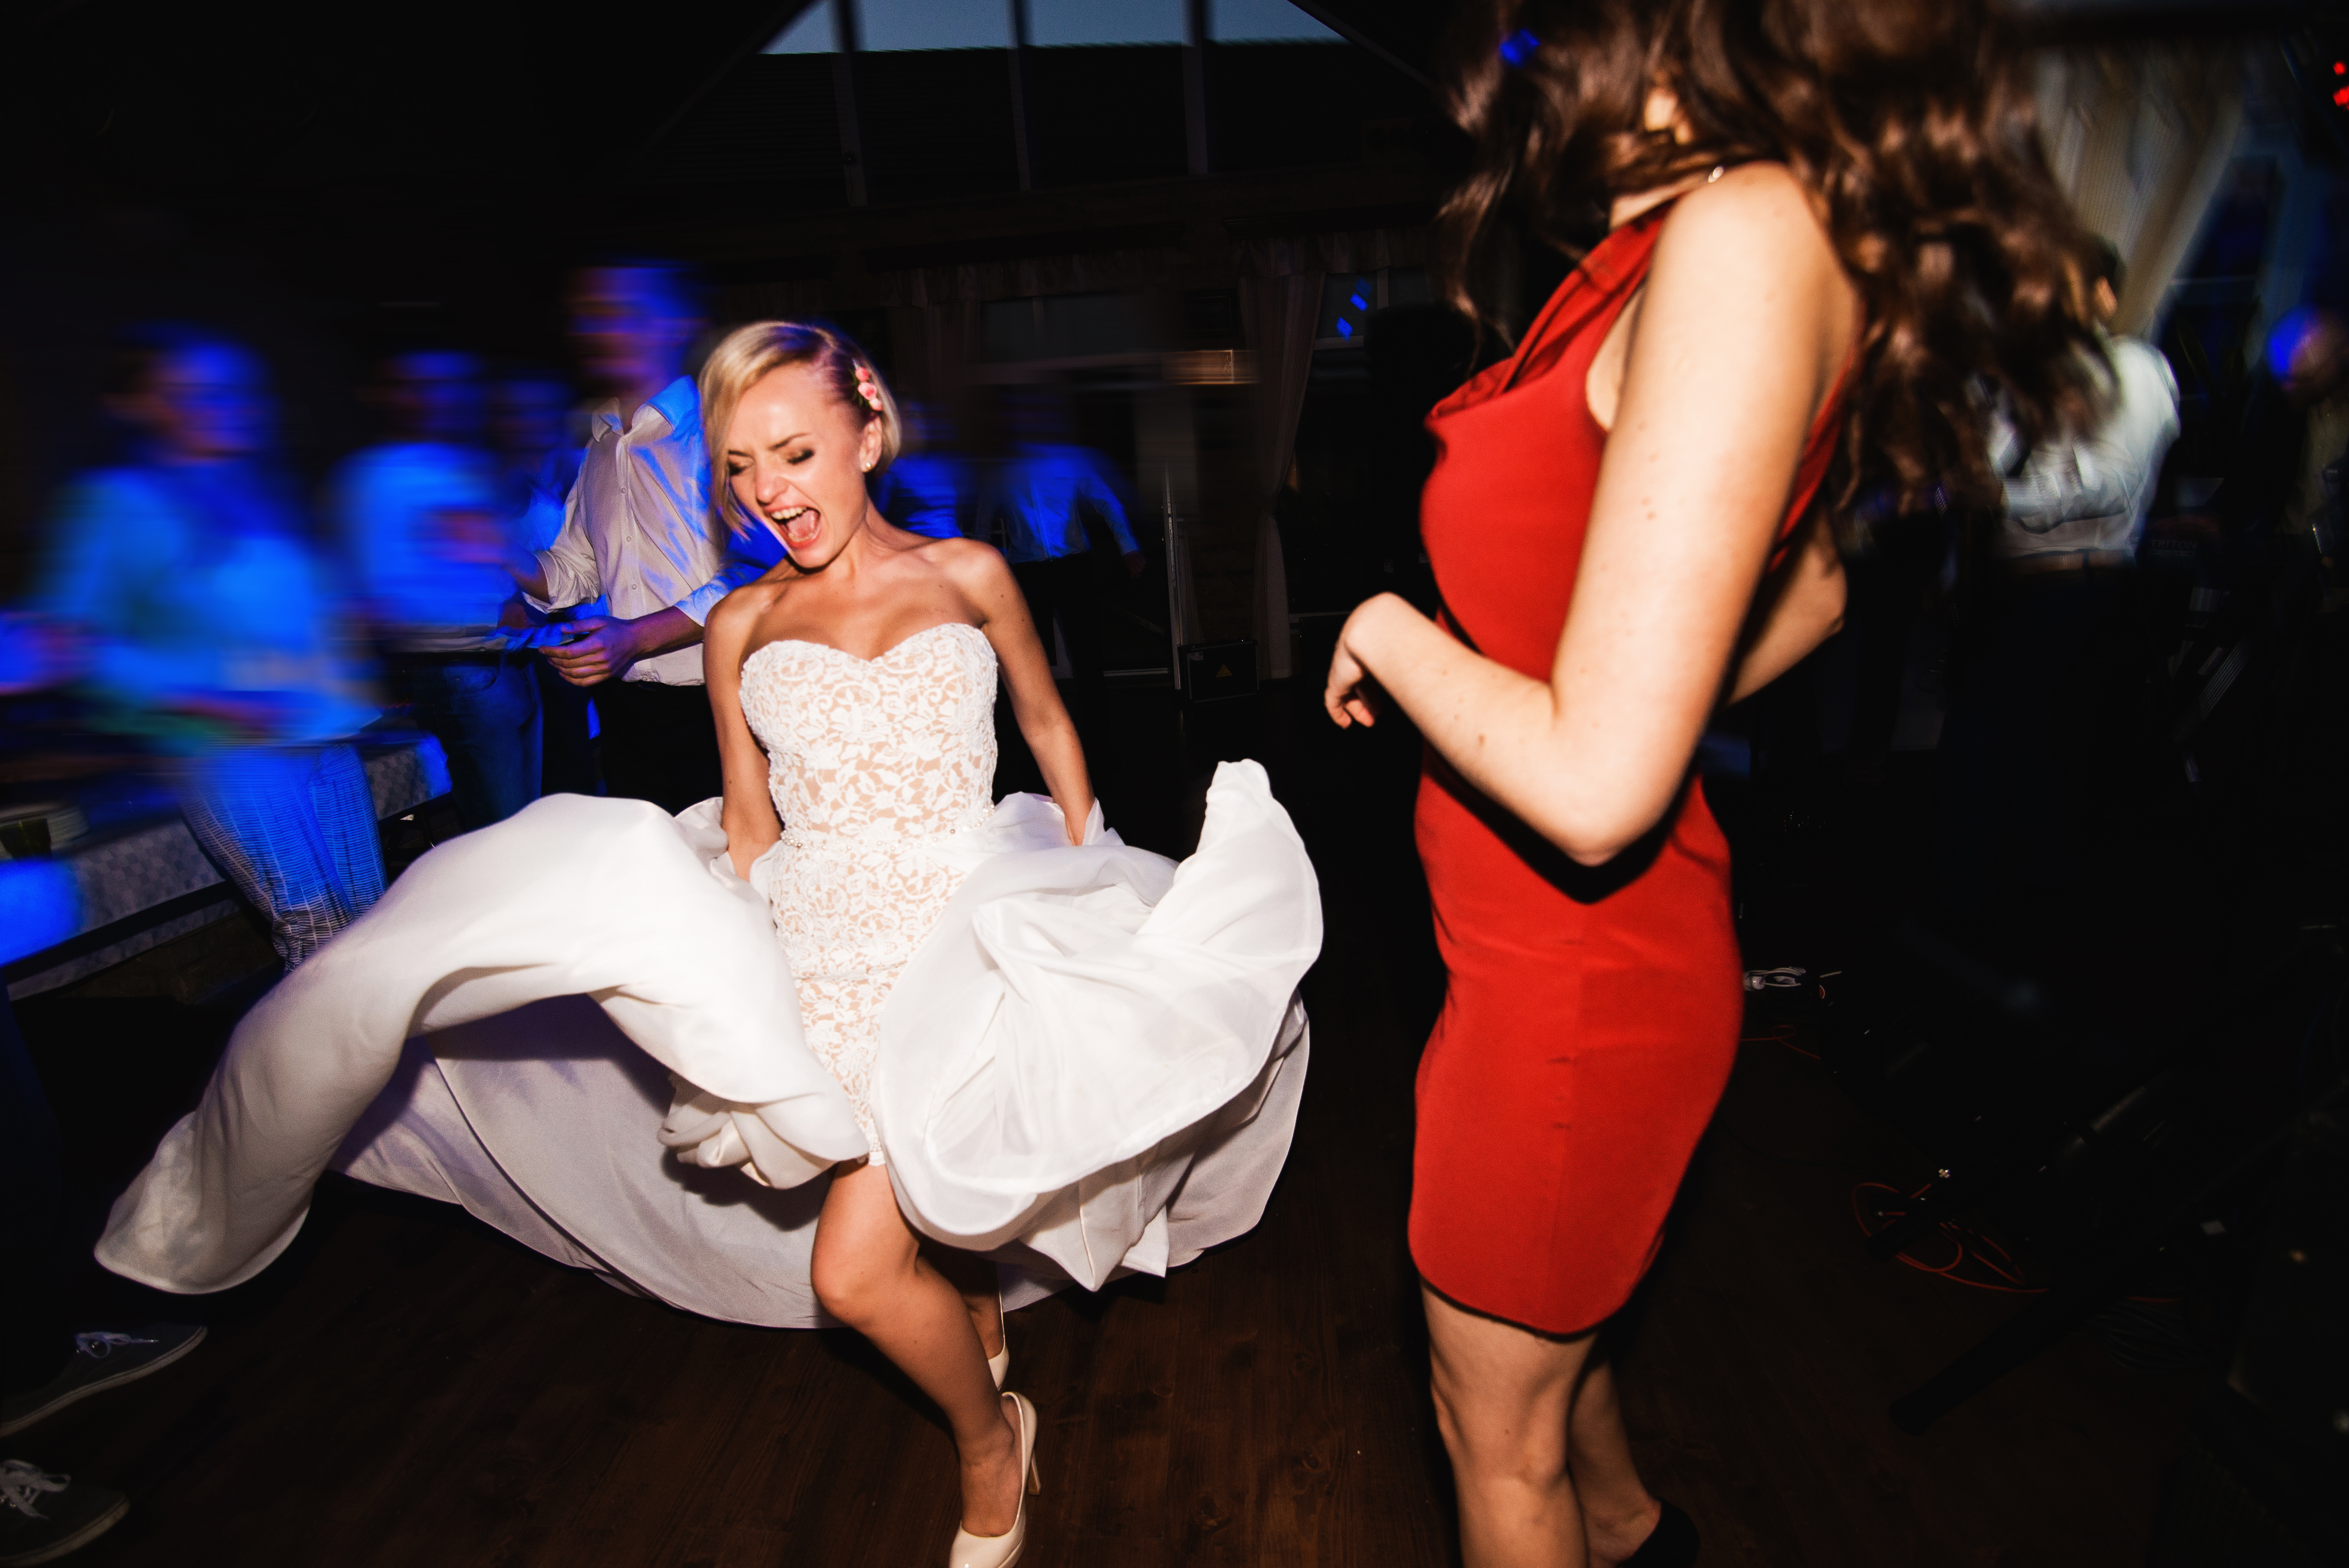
(1831, 233)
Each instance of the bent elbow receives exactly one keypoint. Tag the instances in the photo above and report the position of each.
(1593, 842)
(1590, 857)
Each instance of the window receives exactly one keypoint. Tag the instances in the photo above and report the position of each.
(1263, 22)
(1052, 23)
(811, 33)
(885, 26)
(934, 24)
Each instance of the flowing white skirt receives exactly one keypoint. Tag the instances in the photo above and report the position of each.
(1091, 1065)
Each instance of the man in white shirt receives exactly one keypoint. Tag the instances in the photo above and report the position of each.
(2076, 513)
(636, 533)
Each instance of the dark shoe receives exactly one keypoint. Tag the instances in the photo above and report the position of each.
(100, 1361)
(43, 1517)
(1673, 1544)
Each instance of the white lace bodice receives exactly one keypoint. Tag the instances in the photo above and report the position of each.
(900, 747)
(870, 762)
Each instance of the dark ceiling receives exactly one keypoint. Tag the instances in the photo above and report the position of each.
(242, 102)
(245, 103)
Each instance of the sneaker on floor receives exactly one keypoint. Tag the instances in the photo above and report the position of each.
(43, 1517)
(100, 1361)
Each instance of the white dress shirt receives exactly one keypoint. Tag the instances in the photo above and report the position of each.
(2090, 493)
(636, 530)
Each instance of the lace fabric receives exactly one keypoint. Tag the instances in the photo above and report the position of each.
(871, 762)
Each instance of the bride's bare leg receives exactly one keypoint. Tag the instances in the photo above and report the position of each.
(870, 1273)
(974, 1279)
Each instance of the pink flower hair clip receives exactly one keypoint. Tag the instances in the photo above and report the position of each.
(867, 388)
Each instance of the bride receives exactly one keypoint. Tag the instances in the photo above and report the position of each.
(968, 1053)
(873, 622)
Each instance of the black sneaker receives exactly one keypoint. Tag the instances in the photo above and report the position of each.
(43, 1517)
(100, 1361)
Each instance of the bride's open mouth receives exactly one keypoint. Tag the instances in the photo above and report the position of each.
(798, 525)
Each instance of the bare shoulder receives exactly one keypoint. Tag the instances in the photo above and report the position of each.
(740, 611)
(978, 569)
(1758, 218)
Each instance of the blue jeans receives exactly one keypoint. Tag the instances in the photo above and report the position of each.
(293, 829)
(484, 711)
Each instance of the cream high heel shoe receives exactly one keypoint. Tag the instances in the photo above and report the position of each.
(1003, 1550)
(998, 1365)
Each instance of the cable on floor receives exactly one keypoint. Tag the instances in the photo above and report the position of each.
(1967, 1246)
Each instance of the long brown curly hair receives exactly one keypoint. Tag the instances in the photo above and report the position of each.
(1911, 123)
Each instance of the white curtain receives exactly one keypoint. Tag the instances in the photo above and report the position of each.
(2139, 139)
(1278, 313)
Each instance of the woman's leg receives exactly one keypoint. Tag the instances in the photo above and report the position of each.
(973, 1279)
(870, 1273)
(1539, 1453)
(1618, 1513)
(1503, 1396)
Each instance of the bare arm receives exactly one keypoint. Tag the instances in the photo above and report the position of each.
(1747, 321)
(1043, 719)
(748, 812)
(1802, 606)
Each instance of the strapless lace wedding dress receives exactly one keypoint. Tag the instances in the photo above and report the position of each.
(876, 766)
(582, 1027)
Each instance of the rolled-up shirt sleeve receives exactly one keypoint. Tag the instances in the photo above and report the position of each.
(568, 563)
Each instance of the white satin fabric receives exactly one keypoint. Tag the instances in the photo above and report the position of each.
(1092, 1063)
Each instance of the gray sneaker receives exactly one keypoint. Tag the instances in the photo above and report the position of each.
(42, 1516)
(100, 1361)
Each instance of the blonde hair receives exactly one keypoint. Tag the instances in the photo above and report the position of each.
(749, 354)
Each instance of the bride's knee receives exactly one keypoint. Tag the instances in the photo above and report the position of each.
(853, 1284)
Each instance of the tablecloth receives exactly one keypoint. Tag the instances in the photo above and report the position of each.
(156, 867)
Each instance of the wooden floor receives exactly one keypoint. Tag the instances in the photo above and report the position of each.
(408, 1388)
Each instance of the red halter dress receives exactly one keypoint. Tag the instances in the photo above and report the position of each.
(1593, 1012)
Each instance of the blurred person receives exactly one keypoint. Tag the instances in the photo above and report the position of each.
(1621, 525)
(538, 454)
(637, 534)
(213, 635)
(537, 447)
(927, 488)
(36, 652)
(2060, 555)
(1044, 497)
(2295, 425)
(423, 523)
